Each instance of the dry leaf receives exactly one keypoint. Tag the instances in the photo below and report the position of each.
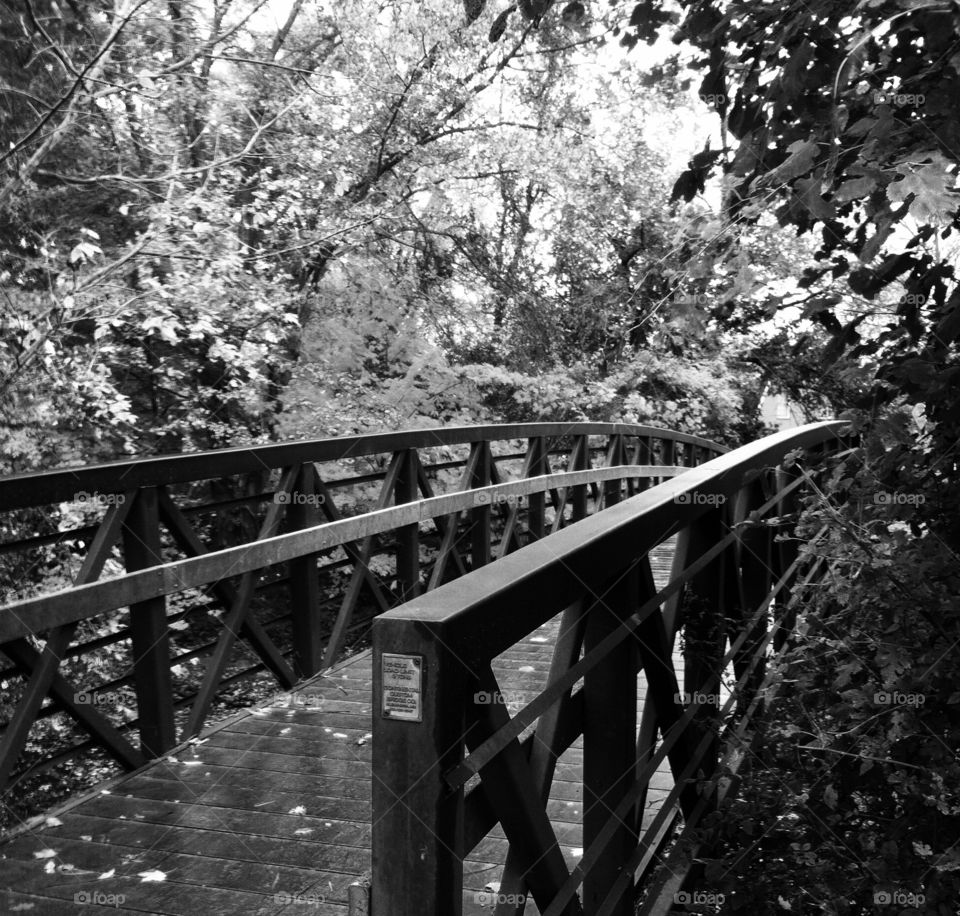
(154, 875)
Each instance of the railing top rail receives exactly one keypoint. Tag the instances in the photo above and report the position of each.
(78, 602)
(481, 615)
(41, 488)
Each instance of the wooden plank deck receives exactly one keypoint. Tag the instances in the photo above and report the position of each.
(268, 814)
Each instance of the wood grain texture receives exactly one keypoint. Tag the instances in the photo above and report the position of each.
(221, 818)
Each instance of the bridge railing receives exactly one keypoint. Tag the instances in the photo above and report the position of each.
(279, 541)
(433, 734)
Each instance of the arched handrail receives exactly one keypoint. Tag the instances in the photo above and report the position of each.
(36, 488)
(157, 516)
(432, 659)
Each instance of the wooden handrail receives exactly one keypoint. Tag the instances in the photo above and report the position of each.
(433, 653)
(170, 492)
(23, 618)
(61, 485)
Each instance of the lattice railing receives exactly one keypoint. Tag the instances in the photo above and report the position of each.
(733, 590)
(293, 547)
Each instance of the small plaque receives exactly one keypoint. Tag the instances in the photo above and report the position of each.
(402, 687)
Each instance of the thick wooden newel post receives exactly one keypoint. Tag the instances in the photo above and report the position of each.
(419, 691)
(609, 736)
(150, 637)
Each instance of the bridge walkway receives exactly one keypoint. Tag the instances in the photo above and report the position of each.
(268, 812)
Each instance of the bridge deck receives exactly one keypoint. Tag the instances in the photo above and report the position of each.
(269, 813)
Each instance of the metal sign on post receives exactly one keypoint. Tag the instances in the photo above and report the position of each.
(402, 687)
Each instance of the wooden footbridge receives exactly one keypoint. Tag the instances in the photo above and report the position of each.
(524, 735)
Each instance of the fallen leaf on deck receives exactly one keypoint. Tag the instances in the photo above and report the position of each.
(44, 853)
(155, 875)
(108, 874)
(300, 809)
(53, 822)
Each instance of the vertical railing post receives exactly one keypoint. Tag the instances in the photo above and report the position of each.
(785, 551)
(668, 451)
(705, 630)
(408, 536)
(581, 462)
(615, 456)
(753, 572)
(480, 515)
(536, 502)
(609, 739)
(420, 693)
(150, 635)
(304, 512)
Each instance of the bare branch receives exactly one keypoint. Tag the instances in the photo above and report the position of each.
(92, 69)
